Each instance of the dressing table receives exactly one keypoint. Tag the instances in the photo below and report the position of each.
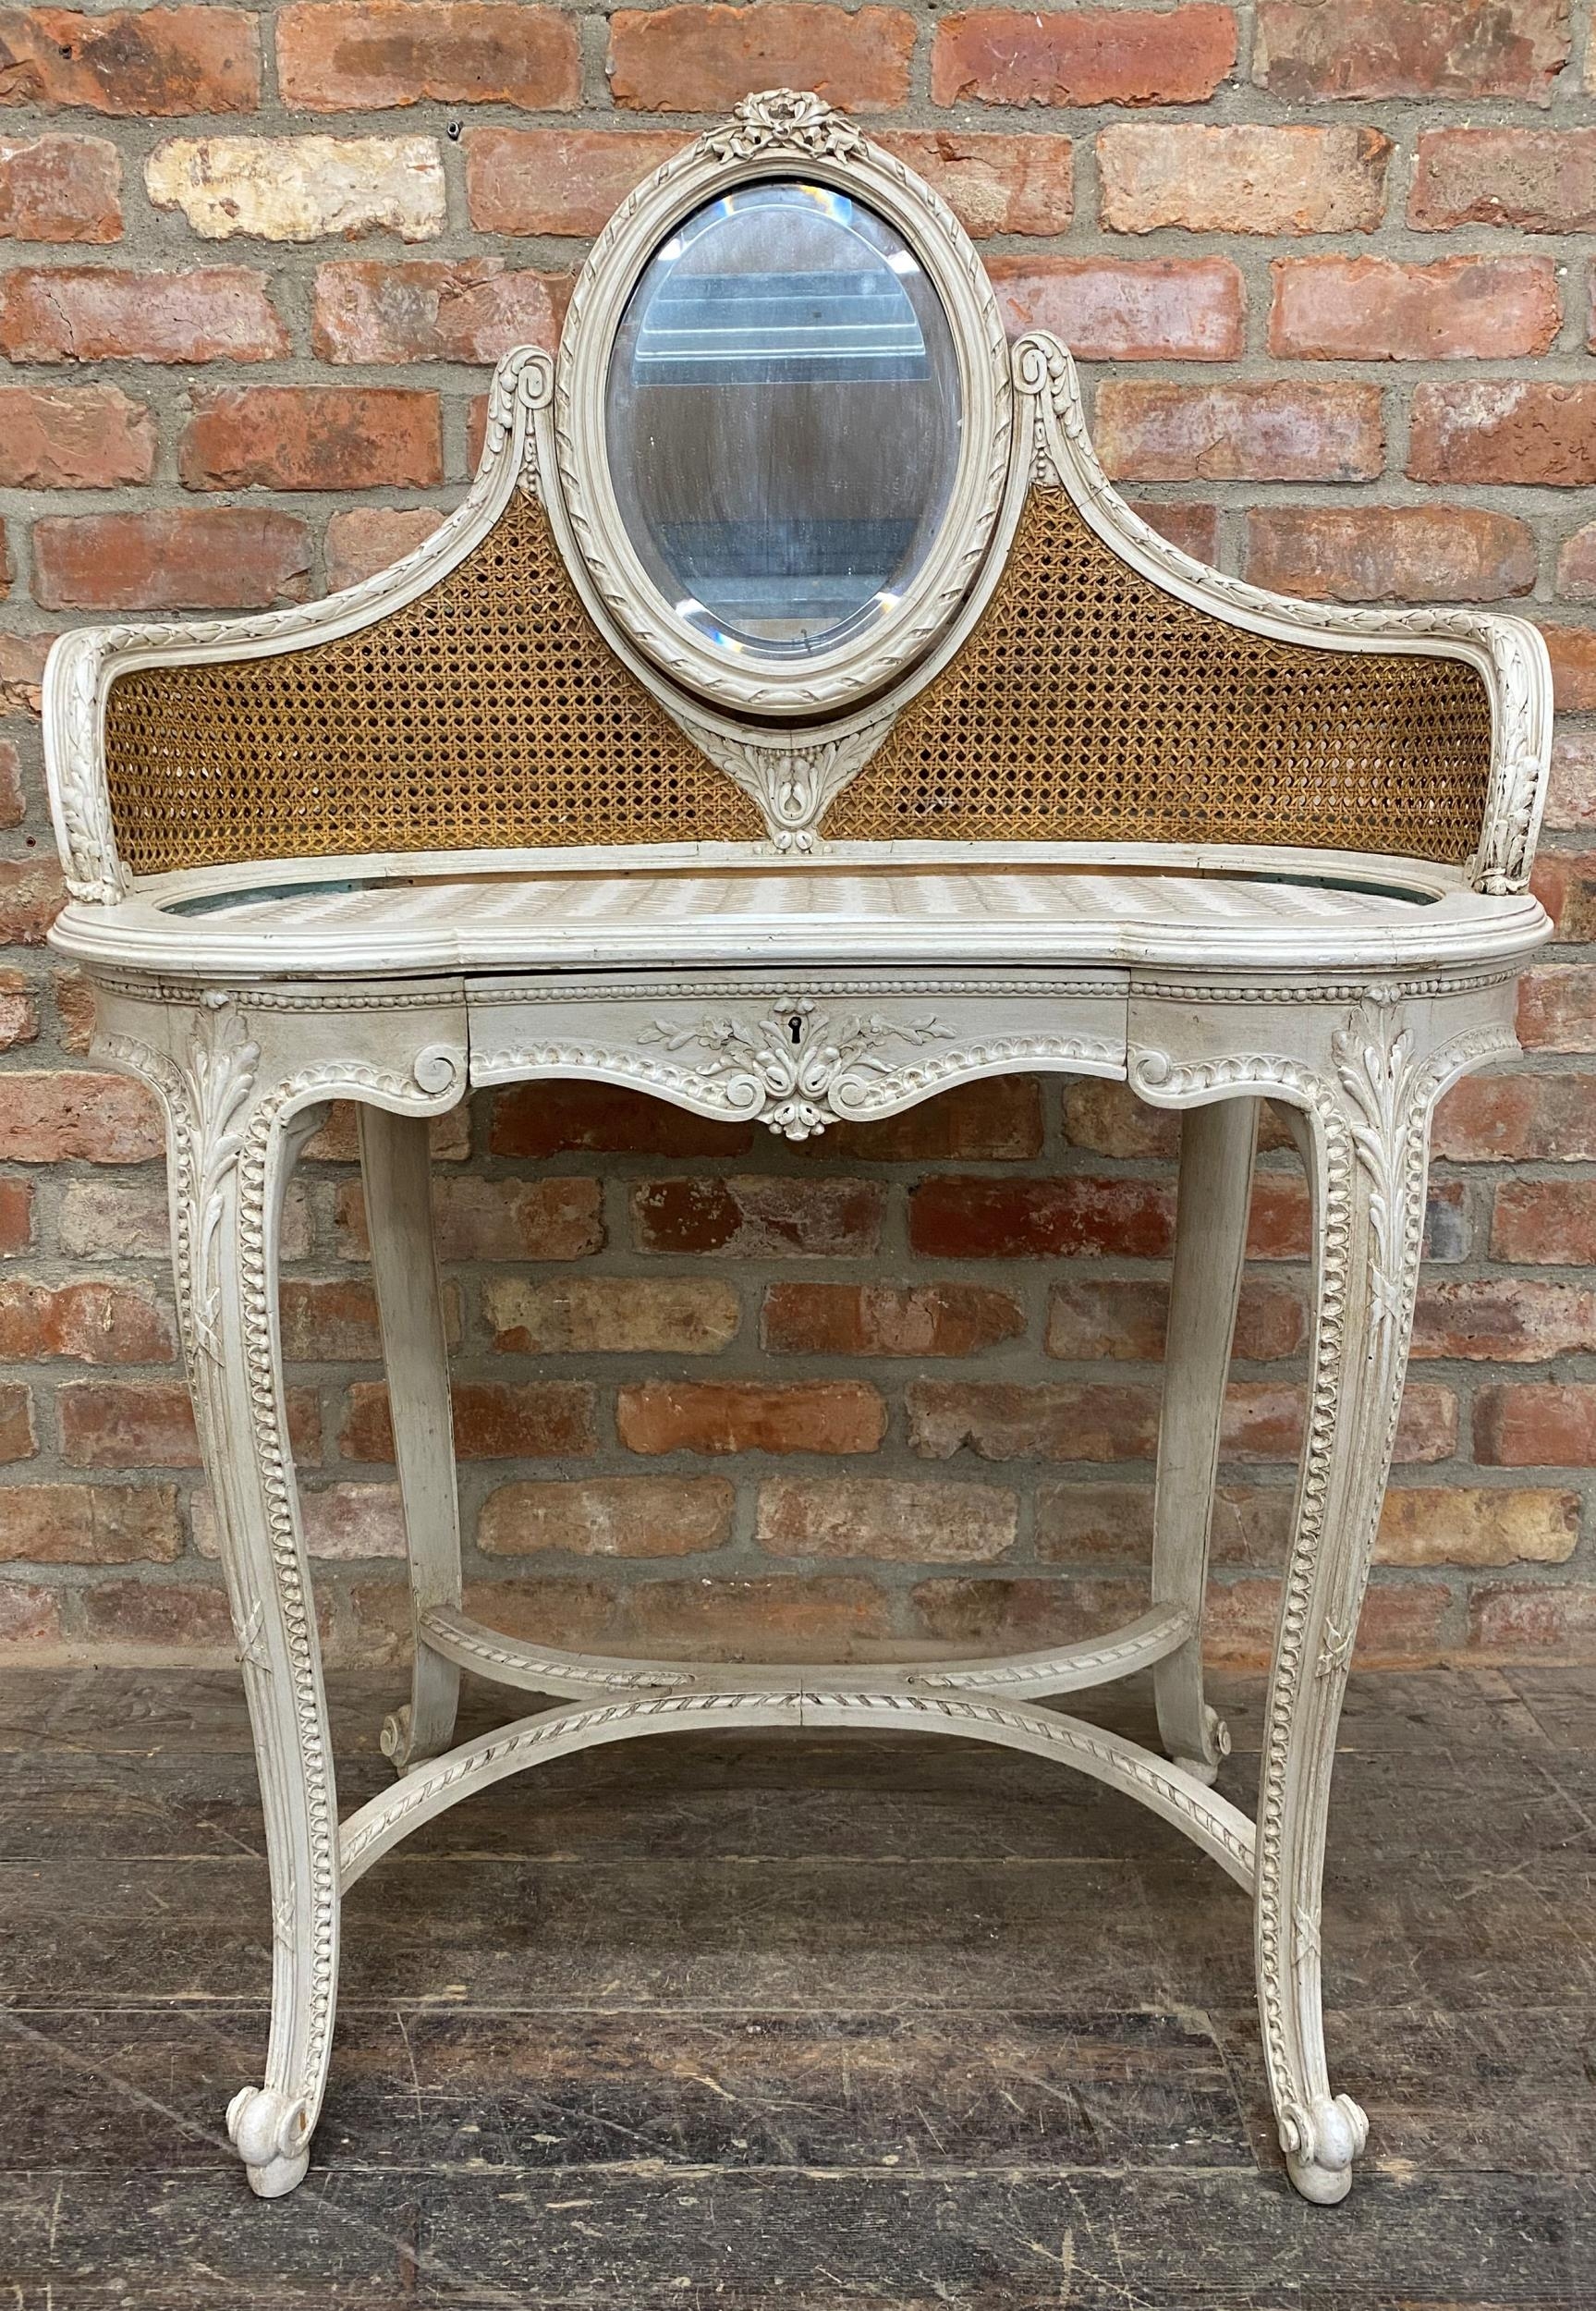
(791, 722)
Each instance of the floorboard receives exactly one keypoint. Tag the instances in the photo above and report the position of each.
(771, 2024)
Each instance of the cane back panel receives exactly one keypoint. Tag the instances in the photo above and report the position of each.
(1086, 705)
(1089, 705)
(486, 715)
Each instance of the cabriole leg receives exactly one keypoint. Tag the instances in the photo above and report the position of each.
(396, 1163)
(234, 1137)
(1367, 1150)
(1215, 1191)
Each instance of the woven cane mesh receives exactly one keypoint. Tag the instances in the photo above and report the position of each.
(486, 715)
(1089, 706)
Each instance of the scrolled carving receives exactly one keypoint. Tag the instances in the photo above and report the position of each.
(793, 1067)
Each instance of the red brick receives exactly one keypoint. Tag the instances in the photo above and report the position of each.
(332, 1319)
(18, 1441)
(341, 1522)
(1109, 1120)
(1390, 553)
(993, 183)
(560, 182)
(609, 1516)
(759, 1216)
(1243, 179)
(996, 1119)
(1370, 48)
(888, 1319)
(366, 539)
(1543, 181)
(69, 313)
(1195, 528)
(16, 1216)
(339, 1141)
(783, 1618)
(1149, 309)
(1518, 1118)
(1557, 1007)
(90, 1524)
(1576, 566)
(1544, 1620)
(970, 1218)
(426, 309)
(13, 801)
(60, 189)
(1572, 650)
(692, 59)
(917, 1522)
(312, 437)
(722, 1416)
(1001, 1420)
(1571, 796)
(493, 1421)
(107, 1219)
(1285, 431)
(497, 1219)
(232, 558)
(1504, 430)
(1504, 1319)
(1565, 883)
(994, 1615)
(18, 1010)
(375, 55)
(138, 63)
(1371, 309)
(157, 1617)
(1476, 1524)
(1536, 1424)
(1076, 1520)
(1547, 1222)
(1082, 56)
(664, 1316)
(73, 437)
(1125, 1318)
(22, 660)
(128, 1425)
(603, 1120)
(93, 1321)
(32, 895)
(29, 1616)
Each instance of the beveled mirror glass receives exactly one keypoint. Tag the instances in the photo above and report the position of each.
(782, 419)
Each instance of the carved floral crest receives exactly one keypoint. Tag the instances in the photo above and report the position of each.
(781, 116)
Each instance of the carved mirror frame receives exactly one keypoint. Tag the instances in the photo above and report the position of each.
(771, 137)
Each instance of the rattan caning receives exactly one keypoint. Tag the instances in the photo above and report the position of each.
(488, 714)
(1089, 706)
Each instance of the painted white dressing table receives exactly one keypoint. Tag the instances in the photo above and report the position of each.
(792, 722)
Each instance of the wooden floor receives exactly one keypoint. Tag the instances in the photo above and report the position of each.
(756, 2022)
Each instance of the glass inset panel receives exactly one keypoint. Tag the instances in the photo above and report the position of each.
(783, 419)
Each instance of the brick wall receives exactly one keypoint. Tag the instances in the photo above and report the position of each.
(1331, 269)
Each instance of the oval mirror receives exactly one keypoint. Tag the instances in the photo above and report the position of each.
(782, 419)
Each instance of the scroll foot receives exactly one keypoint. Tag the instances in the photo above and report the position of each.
(395, 1739)
(271, 2135)
(1328, 2138)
